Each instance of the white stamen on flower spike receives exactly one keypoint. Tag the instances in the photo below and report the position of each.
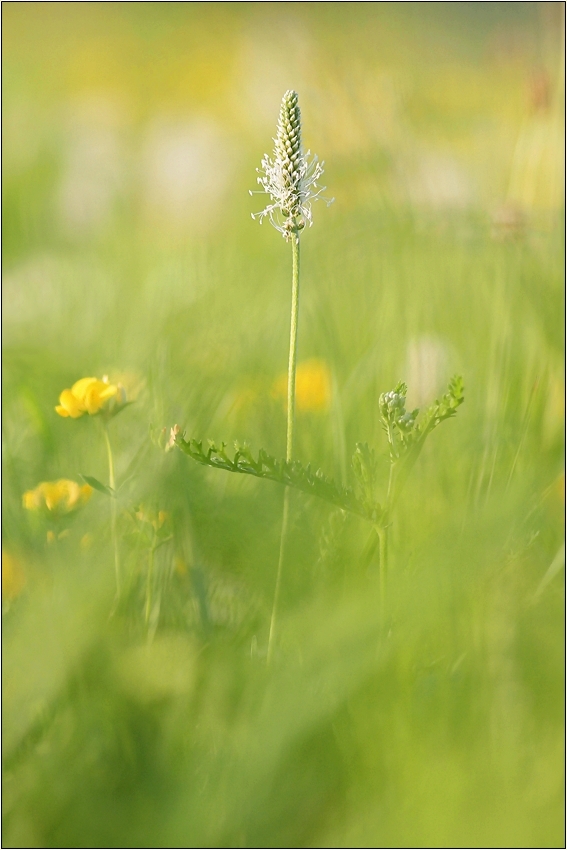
(290, 179)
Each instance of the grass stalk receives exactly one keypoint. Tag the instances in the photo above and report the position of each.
(151, 559)
(382, 532)
(113, 508)
(292, 365)
(383, 555)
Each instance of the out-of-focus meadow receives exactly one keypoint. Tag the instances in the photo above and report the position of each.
(132, 132)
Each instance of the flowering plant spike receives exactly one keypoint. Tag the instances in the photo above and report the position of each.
(290, 178)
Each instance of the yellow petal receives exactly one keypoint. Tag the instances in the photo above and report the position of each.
(86, 493)
(70, 493)
(58, 497)
(93, 402)
(109, 392)
(69, 402)
(29, 500)
(61, 410)
(96, 395)
(51, 493)
(79, 388)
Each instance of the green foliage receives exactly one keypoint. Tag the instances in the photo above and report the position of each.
(364, 467)
(406, 436)
(290, 473)
(98, 485)
(403, 429)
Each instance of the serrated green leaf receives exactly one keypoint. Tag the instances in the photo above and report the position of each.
(288, 473)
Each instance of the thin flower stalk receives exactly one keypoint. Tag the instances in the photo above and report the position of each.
(113, 509)
(149, 578)
(98, 398)
(290, 179)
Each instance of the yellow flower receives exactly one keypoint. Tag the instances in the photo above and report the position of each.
(57, 497)
(13, 576)
(157, 519)
(88, 395)
(312, 386)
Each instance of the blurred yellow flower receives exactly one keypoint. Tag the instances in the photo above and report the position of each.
(88, 395)
(86, 542)
(155, 518)
(312, 386)
(13, 576)
(52, 537)
(180, 566)
(57, 497)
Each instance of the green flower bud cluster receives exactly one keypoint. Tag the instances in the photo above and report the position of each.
(393, 410)
(401, 426)
(391, 402)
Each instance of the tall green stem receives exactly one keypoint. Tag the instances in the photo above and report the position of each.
(112, 485)
(383, 550)
(292, 345)
(151, 557)
(283, 538)
(390, 484)
(292, 365)
(382, 532)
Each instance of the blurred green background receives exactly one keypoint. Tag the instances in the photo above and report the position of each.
(131, 136)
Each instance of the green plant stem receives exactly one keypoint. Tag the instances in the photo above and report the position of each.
(382, 532)
(112, 485)
(369, 548)
(292, 366)
(151, 558)
(390, 485)
(383, 549)
(283, 538)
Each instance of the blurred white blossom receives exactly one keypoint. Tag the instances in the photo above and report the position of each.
(426, 370)
(439, 181)
(92, 165)
(186, 168)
